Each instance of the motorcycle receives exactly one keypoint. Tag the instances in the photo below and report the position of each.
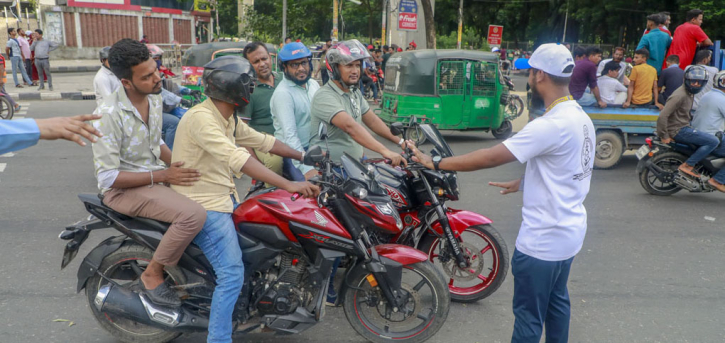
(462, 244)
(658, 163)
(389, 292)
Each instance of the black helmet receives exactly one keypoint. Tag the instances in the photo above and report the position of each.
(345, 53)
(103, 53)
(695, 79)
(719, 80)
(229, 79)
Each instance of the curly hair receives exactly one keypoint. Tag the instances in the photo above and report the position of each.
(126, 54)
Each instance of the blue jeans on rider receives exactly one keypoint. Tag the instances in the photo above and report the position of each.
(290, 171)
(169, 123)
(720, 152)
(705, 143)
(218, 240)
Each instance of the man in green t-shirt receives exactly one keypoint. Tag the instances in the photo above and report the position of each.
(257, 113)
(341, 105)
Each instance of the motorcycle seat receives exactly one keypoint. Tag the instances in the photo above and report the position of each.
(95, 200)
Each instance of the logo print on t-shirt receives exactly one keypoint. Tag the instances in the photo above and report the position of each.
(587, 154)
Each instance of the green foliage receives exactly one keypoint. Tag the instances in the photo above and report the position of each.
(469, 39)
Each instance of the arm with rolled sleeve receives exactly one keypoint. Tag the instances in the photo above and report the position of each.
(107, 150)
(285, 124)
(18, 134)
(672, 104)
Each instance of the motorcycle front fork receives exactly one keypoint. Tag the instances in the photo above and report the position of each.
(445, 224)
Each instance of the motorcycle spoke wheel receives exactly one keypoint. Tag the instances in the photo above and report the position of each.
(487, 257)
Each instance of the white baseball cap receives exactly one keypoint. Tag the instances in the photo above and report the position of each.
(552, 58)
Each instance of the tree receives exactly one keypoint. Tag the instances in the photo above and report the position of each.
(430, 25)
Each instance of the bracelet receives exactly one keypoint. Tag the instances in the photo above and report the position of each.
(152, 179)
(401, 141)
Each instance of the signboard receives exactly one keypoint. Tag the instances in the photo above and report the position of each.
(495, 34)
(408, 15)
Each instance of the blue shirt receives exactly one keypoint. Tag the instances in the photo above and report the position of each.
(290, 107)
(18, 134)
(657, 42)
(710, 116)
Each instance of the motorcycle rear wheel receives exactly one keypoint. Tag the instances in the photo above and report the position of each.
(493, 248)
(373, 326)
(117, 267)
(669, 161)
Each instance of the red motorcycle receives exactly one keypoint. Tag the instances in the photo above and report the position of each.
(389, 292)
(463, 244)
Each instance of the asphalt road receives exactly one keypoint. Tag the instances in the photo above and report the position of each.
(650, 271)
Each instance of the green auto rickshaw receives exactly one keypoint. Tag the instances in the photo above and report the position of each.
(451, 89)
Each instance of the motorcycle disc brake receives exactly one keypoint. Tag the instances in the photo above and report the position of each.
(474, 269)
(410, 310)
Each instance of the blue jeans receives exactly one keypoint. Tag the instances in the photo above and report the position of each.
(587, 99)
(220, 244)
(705, 143)
(168, 128)
(17, 63)
(720, 152)
(540, 298)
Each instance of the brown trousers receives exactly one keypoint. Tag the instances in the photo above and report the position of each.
(163, 204)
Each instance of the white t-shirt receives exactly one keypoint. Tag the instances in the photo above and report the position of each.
(559, 149)
(609, 87)
(623, 68)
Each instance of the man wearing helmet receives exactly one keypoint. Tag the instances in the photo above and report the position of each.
(290, 106)
(673, 123)
(105, 81)
(341, 104)
(710, 118)
(214, 141)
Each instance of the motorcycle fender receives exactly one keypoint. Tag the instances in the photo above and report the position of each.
(402, 254)
(643, 163)
(92, 261)
(460, 220)
(392, 259)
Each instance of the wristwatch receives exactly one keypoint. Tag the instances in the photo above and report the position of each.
(437, 159)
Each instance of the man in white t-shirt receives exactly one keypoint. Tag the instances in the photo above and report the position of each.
(618, 57)
(611, 91)
(559, 151)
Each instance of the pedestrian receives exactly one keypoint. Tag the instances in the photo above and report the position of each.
(13, 50)
(703, 58)
(412, 45)
(672, 78)
(558, 149)
(656, 42)
(688, 37)
(3, 81)
(25, 48)
(144, 39)
(42, 48)
(34, 74)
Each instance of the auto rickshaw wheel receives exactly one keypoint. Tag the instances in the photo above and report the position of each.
(504, 131)
(415, 134)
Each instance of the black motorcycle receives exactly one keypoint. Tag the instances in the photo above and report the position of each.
(658, 163)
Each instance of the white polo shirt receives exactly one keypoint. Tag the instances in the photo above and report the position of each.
(559, 151)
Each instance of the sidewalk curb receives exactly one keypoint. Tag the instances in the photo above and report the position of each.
(50, 96)
(66, 69)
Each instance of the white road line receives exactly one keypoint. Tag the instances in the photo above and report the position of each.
(18, 117)
(10, 154)
(2, 167)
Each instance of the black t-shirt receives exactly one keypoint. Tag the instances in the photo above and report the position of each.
(671, 79)
(385, 60)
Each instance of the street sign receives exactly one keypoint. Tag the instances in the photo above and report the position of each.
(495, 34)
(408, 15)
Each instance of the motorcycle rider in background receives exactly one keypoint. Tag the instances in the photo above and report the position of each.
(673, 123)
(214, 141)
(710, 118)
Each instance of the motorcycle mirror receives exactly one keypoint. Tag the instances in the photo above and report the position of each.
(396, 128)
(322, 131)
(314, 155)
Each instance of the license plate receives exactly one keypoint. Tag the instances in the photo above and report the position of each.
(642, 151)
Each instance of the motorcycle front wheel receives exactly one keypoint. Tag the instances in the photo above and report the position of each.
(423, 314)
(488, 259)
(669, 162)
(123, 267)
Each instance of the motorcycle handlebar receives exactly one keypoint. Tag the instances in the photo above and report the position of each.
(295, 196)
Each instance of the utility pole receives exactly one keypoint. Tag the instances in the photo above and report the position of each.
(284, 20)
(334, 20)
(566, 20)
(460, 24)
(385, 21)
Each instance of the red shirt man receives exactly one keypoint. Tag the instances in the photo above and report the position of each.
(687, 36)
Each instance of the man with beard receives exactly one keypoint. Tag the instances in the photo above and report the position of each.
(618, 57)
(258, 110)
(290, 106)
(131, 164)
(558, 150)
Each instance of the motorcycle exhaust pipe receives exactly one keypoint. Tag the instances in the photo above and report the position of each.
(128, 304)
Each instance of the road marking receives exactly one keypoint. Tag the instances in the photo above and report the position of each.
(2, 167)
(18, 117)
(10, 154)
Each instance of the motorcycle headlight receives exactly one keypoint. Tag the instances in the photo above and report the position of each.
(360, 193)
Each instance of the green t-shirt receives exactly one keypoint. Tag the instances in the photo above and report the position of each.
(258, 108)
(329, 101)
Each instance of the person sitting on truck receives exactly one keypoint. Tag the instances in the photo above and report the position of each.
(585, 76)
(710, 118)
(611, 91)
(673, 123)
(643, 82)
(671, 78)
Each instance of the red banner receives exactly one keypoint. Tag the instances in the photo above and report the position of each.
(495, 34)
(408, 21)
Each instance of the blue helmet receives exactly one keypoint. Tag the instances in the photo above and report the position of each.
(293, 51)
